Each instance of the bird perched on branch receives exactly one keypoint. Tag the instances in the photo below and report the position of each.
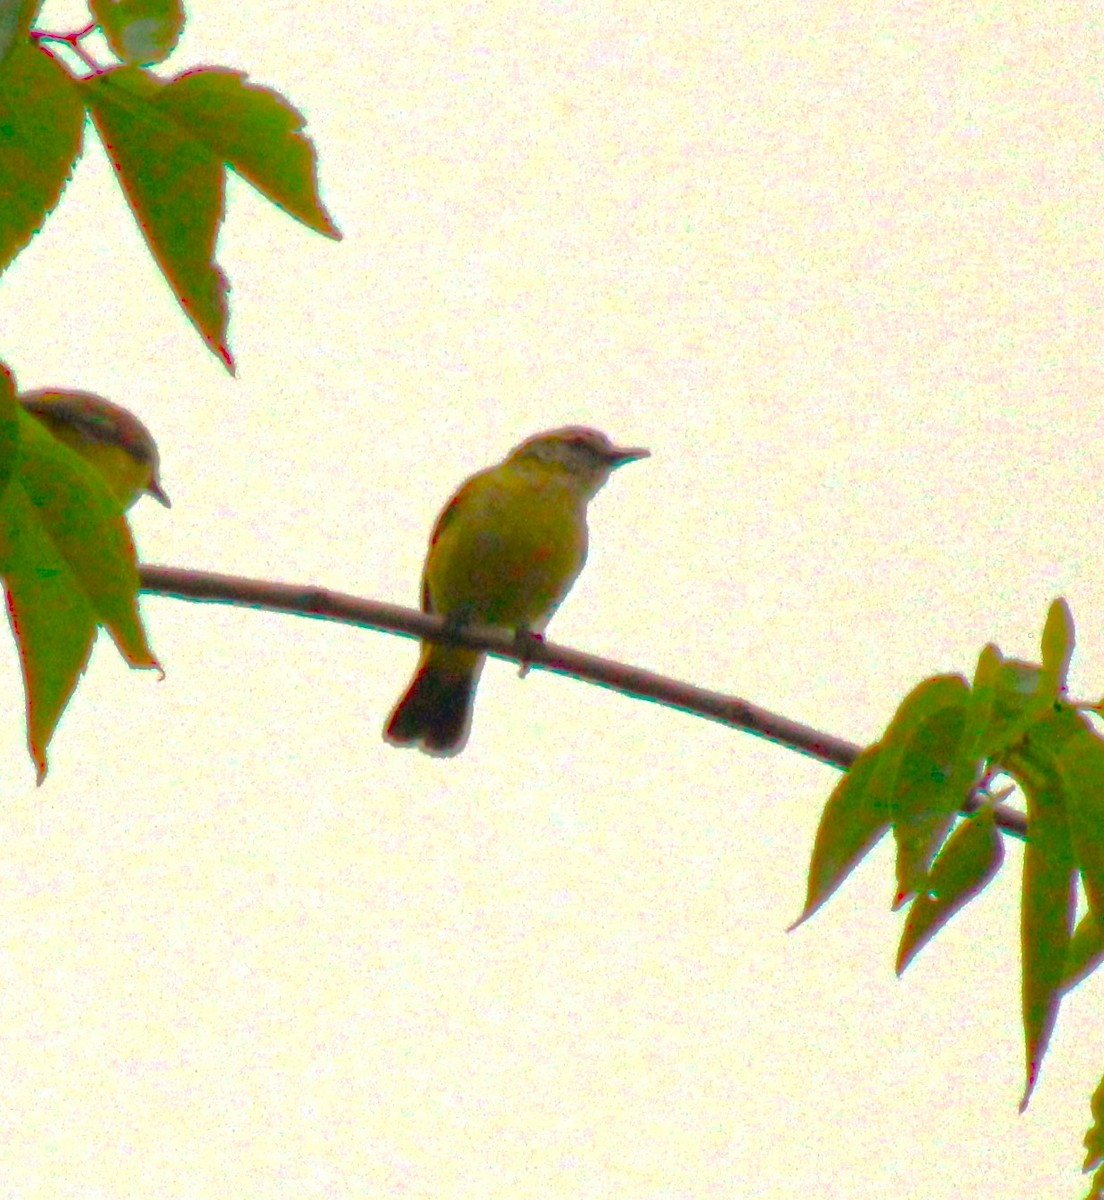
(505, 551)
(106, 435)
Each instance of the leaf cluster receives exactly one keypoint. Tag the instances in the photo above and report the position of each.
(170, 142)
(67, 558)
(68, 564)
(932, 780)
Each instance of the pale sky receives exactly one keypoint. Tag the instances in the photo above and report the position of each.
(838, 266)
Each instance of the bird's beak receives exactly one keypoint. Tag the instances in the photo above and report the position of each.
(619, 457)
(158, 492)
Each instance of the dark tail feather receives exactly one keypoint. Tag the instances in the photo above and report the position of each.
(435, 712)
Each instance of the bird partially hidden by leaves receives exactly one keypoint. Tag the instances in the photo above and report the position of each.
(504, 552)
(107, 436)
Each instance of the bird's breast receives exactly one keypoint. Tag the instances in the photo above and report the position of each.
(510, 551)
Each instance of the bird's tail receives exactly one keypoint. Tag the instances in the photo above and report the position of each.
(435, 711)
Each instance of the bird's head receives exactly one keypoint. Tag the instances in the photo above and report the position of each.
(108, 436)
(586, 455)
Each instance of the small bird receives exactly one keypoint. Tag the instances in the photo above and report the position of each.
(106, 435)
(505, 551)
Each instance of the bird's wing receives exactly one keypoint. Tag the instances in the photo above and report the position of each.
(448, 515)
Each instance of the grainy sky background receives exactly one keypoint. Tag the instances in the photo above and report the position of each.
(838, 265)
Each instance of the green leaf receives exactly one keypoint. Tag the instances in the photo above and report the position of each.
(1086, 949)
(9, 428)
(68, 564)
(971, 857)
(1096, 1189)
(41, 125)
(921, 753)
(140, 31)
(852, 822)
(891, 780)
(1080, 763)
(174, 186)
(1094, 1139)
(1058, 642)
(1022, 698)
(925, 700)
(1049, 877)
(925, 801)
(1046, 916)
(16, 19)
(169, 144)
(257, 132)
(979, 716)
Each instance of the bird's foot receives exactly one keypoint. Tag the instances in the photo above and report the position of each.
(524, 641)
(456, 619)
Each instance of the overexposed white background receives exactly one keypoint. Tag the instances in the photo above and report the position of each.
(838, 266)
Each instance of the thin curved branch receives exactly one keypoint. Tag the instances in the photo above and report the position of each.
(307, 601)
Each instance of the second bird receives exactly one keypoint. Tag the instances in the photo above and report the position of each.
(505, 551)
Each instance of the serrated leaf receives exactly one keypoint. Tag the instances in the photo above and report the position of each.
(1057, 645)
(1049, 875)
(257, 132)
(1086, 950)
(141, 32)
(971, 857)
(175, 188)
(852, 822)
(41, 126)
(169, 143)
(68, 564)
(53, 623)
(1080, 763)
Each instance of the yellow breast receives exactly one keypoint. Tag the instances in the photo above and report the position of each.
(507, 548)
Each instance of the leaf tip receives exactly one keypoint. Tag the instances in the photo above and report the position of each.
(1029, 1087)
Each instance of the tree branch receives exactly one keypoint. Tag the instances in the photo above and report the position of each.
(309, 601)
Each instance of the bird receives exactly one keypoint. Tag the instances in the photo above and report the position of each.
(107, 436)
(504, 552)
